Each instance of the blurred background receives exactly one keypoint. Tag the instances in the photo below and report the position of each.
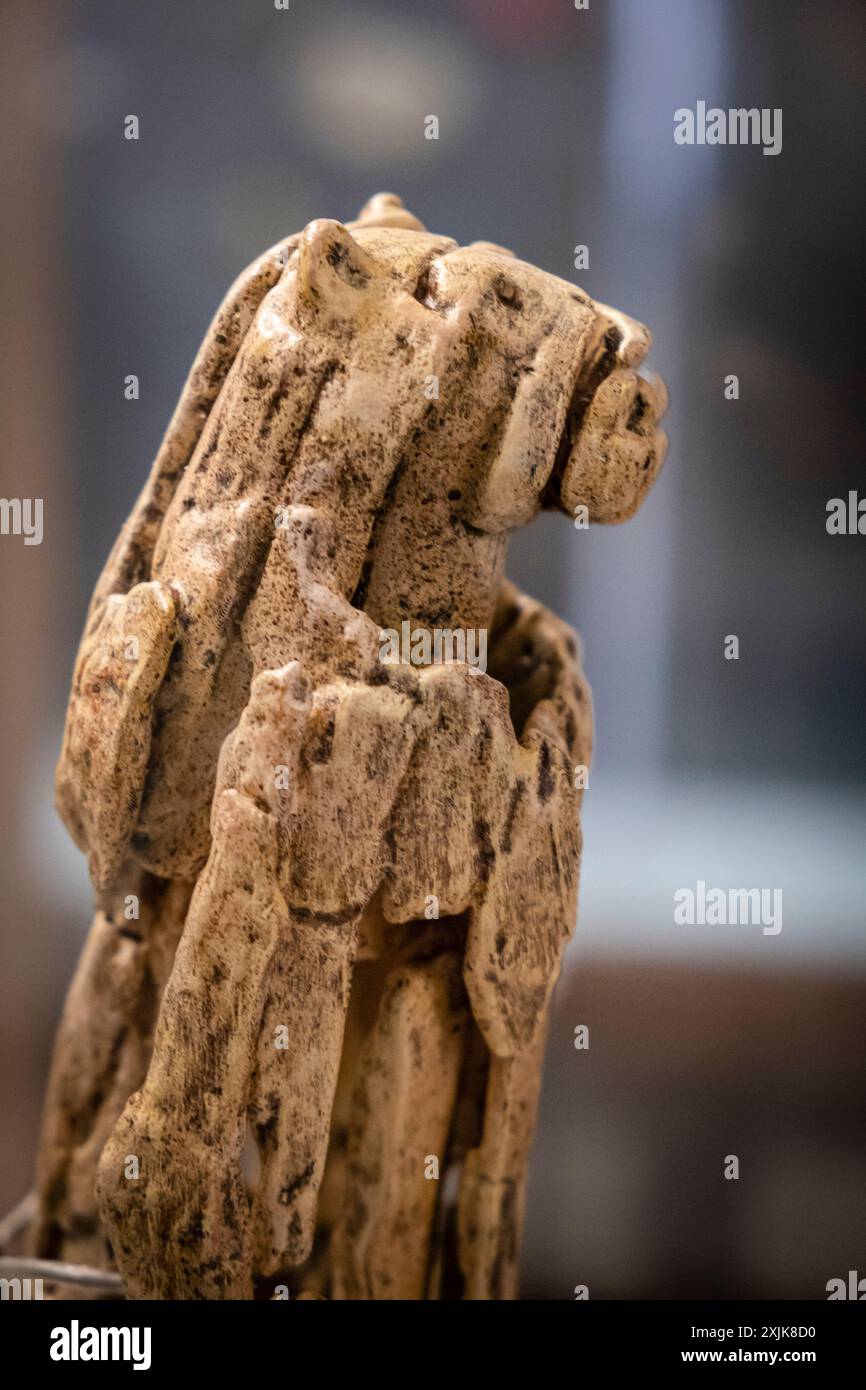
(555, 130)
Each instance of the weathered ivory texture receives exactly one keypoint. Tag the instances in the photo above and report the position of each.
(303, 1046)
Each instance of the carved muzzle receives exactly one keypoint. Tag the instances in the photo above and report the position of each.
(611, 448)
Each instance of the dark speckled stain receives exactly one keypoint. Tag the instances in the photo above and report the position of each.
(638, 411)
(506, 1245)
(230, 1203)
(202, 466)
(276, 399)
(297, 1184)
(518, 792)
(330, 919)
(458, 1000)
(320, 745)
(351, 481)
(554, 855)
(485, 856)
(211, 449)
(379, 675)
(570, 729)
(390, 838)
(545, 776)
(485, 738)
(192, 1234)
(338, 257)
(459, 523)
(435, 617)
(406, 683)
(266, 1130)
(176, 654)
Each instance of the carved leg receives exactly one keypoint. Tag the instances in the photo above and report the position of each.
(100, 1057)
(299, 1057)
(171, 1191)
(407, 1083)
(519, 929)
(273, 918)
(490, 1207)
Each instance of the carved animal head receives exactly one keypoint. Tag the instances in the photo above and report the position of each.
(534, 386)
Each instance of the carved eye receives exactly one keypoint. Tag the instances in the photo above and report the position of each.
(507, 292)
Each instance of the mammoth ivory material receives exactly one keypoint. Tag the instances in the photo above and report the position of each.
(303, 1045)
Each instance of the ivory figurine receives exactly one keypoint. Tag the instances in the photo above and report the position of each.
(303, 1046)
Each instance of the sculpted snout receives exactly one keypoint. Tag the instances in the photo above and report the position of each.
(612, 448)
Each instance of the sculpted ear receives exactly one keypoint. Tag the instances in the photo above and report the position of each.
(332, 267)
(387, 210)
